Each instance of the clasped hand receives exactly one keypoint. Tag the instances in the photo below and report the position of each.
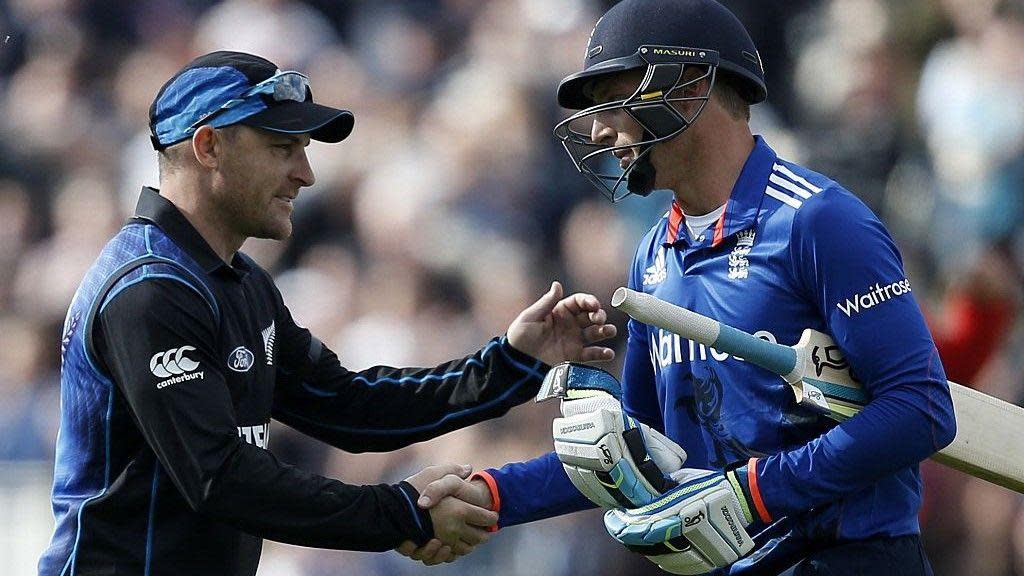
(459, 510)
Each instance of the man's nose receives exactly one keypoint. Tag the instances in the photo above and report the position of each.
(601, 131)
(304, 172)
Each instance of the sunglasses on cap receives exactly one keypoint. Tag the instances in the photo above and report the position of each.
(288, 86)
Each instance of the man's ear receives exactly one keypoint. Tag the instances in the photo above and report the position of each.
(691, 73)
(207, 146)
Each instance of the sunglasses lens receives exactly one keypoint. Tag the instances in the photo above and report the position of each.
(290, 87)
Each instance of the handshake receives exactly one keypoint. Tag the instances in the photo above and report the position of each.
(460, 511)
(685, 520)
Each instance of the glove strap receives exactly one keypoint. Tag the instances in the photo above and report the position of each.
(492, 485)
(634, 440)
(570, 380)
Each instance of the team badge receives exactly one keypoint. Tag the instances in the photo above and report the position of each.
(269, 333)
(738, 263)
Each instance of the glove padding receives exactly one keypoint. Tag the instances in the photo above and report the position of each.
(694, 528)
(611, 458)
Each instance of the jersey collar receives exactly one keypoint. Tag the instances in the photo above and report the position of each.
(744, 202)
(160, 211)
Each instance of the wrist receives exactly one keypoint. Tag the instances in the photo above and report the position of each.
(519, 355)
(484, 491)
(488, 489)
(744, 481)
(424, 522)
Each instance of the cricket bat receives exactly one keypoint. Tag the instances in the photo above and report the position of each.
(989, 442)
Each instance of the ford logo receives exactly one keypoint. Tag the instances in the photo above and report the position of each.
(241, 359)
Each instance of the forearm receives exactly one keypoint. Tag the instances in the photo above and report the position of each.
(256, 493)
(893, 432)
(384, 408)
(535, 490)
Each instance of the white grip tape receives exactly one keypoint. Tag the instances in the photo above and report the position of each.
(656, 312)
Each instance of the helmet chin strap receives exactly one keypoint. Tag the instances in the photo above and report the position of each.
(641, 176)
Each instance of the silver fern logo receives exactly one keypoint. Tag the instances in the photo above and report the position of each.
(70, 325)
(268, 334)
(739, 266)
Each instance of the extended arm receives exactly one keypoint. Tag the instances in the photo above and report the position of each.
(385, 408)
(189, 423)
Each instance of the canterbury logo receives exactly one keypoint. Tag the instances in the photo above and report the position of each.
(268, 334)
(172, 362)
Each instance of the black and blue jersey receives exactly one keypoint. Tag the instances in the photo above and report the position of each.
(174, 363)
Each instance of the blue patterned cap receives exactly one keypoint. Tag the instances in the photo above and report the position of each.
(217, 89)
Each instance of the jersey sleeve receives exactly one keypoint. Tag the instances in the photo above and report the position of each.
(844, 260)
(384, 408)
(535, 490)
(157, 339)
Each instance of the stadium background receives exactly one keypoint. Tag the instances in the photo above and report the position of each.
(451, 206)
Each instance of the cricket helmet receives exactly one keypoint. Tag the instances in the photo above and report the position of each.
(660, 38)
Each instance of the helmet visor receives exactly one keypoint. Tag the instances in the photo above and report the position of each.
(663, 105)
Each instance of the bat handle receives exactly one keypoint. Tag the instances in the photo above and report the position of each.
(781, 360)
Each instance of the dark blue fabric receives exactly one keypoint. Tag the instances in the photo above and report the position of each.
(898, 556)
(83, 456)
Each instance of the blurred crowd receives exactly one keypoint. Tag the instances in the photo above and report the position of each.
(451, 206)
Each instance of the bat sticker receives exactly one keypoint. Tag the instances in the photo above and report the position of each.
(833, 358)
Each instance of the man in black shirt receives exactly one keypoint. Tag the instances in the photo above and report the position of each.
(178, 351)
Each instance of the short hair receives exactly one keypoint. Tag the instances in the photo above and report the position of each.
(171, 158)
(729, 96)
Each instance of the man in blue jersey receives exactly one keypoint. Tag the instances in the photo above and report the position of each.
(772, 248)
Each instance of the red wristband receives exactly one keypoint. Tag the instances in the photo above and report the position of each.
(755, 492)
(492, 486)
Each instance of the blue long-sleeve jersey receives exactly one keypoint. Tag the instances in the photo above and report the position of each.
(793, 250)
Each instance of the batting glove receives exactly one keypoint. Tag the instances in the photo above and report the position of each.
(694, 528)
(611, 458)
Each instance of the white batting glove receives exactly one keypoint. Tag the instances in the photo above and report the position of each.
(696, 527)
(611, 458)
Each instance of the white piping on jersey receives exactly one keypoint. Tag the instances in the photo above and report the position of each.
(782, 197)
(792, 183)
(787, 172)
(775, 179)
